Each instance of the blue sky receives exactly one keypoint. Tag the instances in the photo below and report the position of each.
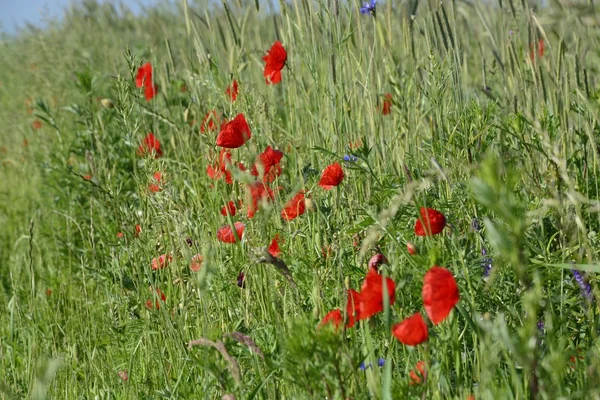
(14, 13)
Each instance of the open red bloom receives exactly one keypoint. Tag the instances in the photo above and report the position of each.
(269, 160)
(234, 133)
(160, 295)
(226, 235)
(144, 79)
(232, 91)
(37, 124)
(440, 293)
(371, 294)
(295, 207)
(210, 122)
(144, 75)
(416, 379)
(387, 104)
(154, 187)
(274, 63)
(257, 193)
(334, 317)
(332, 176)
(151, 146)
(274, 249)
(161, 261)
(150, 91)
(352, 307)
(412, 331)
(434, 220)
(228, 209)
(377, 260)
(196, 263)
(541, 47)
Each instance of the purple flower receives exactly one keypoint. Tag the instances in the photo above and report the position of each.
(486, 263)
(381, 362)
(363, 367)
(541, 326)
(586, 289)
(350, 158)
(369, 8)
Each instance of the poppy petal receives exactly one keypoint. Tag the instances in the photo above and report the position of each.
(412, 331)
(440, 293)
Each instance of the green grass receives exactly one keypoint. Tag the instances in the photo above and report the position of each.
(478, 129)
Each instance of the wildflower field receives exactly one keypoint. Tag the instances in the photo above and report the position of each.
(303, 200)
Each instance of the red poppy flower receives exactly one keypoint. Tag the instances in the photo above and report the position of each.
(161, 261)
(257, 193)
(150, 145)
(295, 207)
(387, 104)
(150, 91)
(332, 176)
(541, 47)
(274, 249)
(196, 263)
(138, 230)
(377, 260)
(119, 235)
(159, 294)
(234, 133)
(371, 294)
(411, 248)
(274, 63)
(352, 307)
(144, 75)
(154, 187)
(144, 79)
(440, 293)
(228, 209)
(87, 177)
(269, 160)
(434, 220)
(412, 331)
(232, 91)
(210, 122)
(416, 379)
(226, 235)
(334, 317)
(37, 124)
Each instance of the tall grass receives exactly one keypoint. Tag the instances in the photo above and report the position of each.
(483, 126)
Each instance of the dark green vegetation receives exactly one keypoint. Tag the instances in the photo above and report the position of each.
(478, 129)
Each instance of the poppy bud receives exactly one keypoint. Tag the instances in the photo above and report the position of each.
(411, 248)
(107, 103)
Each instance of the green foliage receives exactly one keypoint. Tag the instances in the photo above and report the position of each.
(479, 129)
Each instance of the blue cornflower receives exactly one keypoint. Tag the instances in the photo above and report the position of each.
(486, 263)
(381, 362)
(369, 7)
(350, 157)
(363, 367)
(586, 289)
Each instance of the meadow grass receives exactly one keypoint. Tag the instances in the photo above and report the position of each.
(483, 127)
